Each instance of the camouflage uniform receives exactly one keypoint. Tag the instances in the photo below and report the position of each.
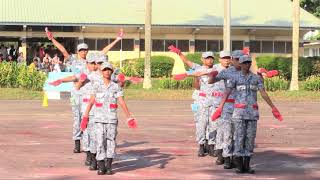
(205, 129)
(88, 137)
(226, 115)
(106, 120)
(217, 94)
(77, 66)
(245, 114)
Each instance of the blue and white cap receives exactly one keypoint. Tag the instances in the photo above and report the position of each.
(245, 58)
(236, 54)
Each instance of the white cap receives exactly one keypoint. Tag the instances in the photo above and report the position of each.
(82, 46)
(106, 65)
(225, 54)
(207, 54)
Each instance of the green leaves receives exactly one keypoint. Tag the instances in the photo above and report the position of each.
(13, 75)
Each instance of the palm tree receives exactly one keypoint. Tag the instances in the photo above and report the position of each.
(147, 70)
(294, 85)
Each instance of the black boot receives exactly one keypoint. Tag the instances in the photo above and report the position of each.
(238, 164)
(211, 150)
(201, 150)
(101, 168)
(220, 159)
(215, 154)
(93, 165)
(227, 163)
(76, 146)
(109, 166)
(88, 158)
(206, 147)
(246, 165)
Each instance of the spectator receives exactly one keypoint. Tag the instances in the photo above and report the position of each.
(47, 57)
(45, 65)
(34, 65)
(12, 51)
(3, 51)
(61, 65)
(55, 65)
(10, 59)
(41, 51)
(21, 59)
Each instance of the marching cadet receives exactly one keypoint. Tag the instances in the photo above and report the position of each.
(245, 114)
(217, 94)
(85, 85)
(105, 97)
(78, 64)
(226, 117)
(205, 131)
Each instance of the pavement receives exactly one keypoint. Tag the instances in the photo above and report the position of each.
(36, 143)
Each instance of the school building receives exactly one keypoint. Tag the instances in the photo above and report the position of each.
(193, 26)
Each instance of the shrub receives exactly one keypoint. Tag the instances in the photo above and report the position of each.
(13, 75)
(284, 65)
(167, 83)
(161, 66)
(312, 83)
(276, 84)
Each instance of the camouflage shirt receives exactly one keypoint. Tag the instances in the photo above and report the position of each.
(246, 88)
(226, 75)
(106, 99)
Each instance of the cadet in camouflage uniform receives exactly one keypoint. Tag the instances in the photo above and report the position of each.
(226, 117)
(217, 94)
(77, 64)
(86, 89)
(105, 97)
(205, 130)
(245, 114)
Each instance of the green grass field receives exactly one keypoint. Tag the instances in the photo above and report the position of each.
(160, 94)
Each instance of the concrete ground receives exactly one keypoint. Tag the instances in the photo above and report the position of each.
(35, 143)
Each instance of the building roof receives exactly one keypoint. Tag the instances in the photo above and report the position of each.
(245, 13)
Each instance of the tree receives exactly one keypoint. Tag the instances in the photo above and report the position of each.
(312, 6)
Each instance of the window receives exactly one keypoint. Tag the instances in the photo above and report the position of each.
(157, 45)
(183, 45)
(213, 45)
(142, 44)
(221, 45)
(237, 45)
(127, 44)
(169, 43)
(267, 46)
(200, 45)
(288, 47)
(255, 46)
(91, 43)
(279, 47)
(116, 47)
(101, 43)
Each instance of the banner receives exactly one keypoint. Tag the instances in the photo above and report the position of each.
(52, 76)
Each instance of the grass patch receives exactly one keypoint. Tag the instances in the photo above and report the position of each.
(137, 93)
(19, 94)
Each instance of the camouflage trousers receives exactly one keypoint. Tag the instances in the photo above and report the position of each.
(205, 128)
(244, 137)
(225, 131)
(76, 111)
(88, 137)
(105, 140)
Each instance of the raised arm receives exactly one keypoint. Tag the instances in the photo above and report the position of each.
(182, 57)
(120, 35)
(57, 44)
